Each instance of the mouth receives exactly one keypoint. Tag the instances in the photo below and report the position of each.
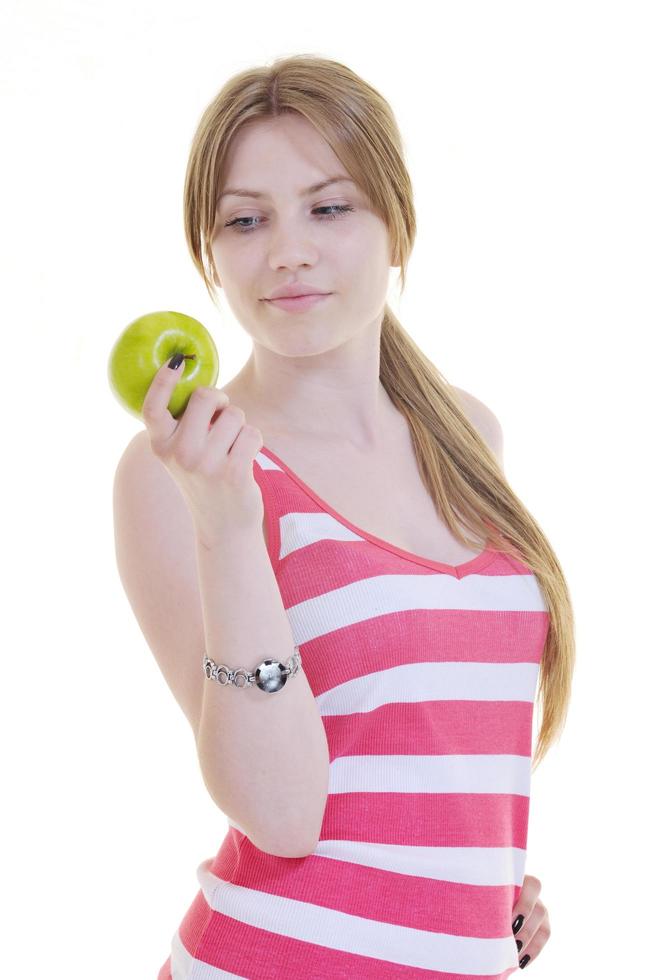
(292, 303)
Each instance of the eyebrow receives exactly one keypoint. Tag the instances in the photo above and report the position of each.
(242, 192)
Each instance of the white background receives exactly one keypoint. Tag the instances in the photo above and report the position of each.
(528, 135)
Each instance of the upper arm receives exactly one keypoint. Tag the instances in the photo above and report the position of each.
(155, 552)
(484, 421)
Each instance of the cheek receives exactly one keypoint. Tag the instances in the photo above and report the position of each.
(363, 245)
(237, 275)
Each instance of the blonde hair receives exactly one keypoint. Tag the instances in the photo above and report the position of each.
(457, 467)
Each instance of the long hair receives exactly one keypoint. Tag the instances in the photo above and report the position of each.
(456, 465)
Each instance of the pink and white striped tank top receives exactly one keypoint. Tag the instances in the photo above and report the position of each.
(425, 675)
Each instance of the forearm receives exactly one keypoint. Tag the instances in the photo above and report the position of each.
(264, 757)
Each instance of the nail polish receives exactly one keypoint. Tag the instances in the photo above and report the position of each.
(525, 959)
(517, 924)
(518, 943)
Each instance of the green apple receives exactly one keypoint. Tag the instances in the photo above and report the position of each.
(147, 343)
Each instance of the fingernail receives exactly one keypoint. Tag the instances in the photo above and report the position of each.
(175, 361)
(517, 924)
(523, 962)
(518, 943)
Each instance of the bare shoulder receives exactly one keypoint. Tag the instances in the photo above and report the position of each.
(140, 446)
(483, 419)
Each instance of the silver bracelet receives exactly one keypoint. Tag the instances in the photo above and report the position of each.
(269, 676)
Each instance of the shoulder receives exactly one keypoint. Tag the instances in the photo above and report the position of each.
(483, 419)
(139, 463)
(139, 443)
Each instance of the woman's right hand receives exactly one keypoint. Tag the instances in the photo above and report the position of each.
(211, 463)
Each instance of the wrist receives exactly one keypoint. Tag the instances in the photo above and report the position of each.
(227, 536)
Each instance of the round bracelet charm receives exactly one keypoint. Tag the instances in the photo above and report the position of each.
(270, 676)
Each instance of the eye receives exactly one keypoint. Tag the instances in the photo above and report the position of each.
(336, 211)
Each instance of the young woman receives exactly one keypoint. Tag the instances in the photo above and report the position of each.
(340, 511)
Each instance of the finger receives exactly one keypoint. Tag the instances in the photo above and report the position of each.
(154, 411)
(523, 908)
(244, 448)
(221, 439)
(530, 925)
(534, 939)
(191, 433)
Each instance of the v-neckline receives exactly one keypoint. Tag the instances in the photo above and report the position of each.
(458, 571)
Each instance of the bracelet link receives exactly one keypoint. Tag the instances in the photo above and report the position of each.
(270, 676)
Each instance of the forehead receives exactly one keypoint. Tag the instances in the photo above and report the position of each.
(286, 152)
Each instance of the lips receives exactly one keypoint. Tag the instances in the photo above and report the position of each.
(299, 303)
(273, 299)
(295, 289)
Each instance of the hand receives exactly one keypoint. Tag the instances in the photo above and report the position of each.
(534, 931)
(209, 454)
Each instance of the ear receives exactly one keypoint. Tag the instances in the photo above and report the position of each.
(485, 422)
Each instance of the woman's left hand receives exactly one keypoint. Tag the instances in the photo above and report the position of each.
(531, 923)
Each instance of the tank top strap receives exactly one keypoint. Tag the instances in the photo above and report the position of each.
(283, 497)
(272, 480)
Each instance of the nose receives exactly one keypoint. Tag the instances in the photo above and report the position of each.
(292, 249)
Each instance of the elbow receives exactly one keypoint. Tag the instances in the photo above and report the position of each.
(297, 849)
(299, 843)
(295, 840)
(279, 838)
(288, 825)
